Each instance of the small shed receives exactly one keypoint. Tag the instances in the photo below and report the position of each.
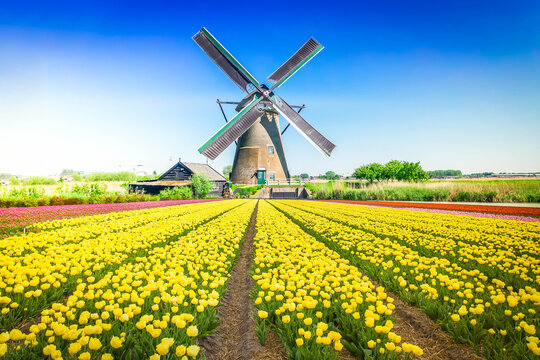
(179, 175)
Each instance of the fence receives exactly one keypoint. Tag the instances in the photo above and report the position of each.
(286, 182)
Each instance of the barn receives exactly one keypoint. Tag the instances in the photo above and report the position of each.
(179, 175)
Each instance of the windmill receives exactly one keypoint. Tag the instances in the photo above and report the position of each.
(259, 148)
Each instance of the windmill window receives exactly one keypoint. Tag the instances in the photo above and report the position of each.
(270, 149)
(271, 175)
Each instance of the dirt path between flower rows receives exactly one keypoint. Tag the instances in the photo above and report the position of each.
(415, 327)
(235, 337)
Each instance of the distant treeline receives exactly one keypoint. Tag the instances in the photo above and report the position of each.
(125, 176)
(392, 170)
(110, 176)
(444, 173)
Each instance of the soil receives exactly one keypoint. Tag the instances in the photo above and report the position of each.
(235, 337)
(418, 329)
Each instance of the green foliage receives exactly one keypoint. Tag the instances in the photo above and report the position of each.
(201, 185)
(517, 191)
(38, 180)
(443, 173)
(30, 192)
(304, 175)
(227, 171)
(147, 177)
(370, 172)
(247, 191)
(176, 193)
(393, 170)
(14, 180)
(329, 175)
(104, 176)
(76, 176)
(484, 174)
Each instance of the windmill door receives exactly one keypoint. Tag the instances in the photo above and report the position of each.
(261, 177)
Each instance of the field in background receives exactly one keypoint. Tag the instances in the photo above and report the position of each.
(116, 187)
(501, 190)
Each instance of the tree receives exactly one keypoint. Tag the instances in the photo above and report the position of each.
(378, 170)
(369, 172)
(412, 172)
(330, 175)
(201, 185)
(76, 176)
(227, 170)
(391, 169)
(304, 176)
(444, 173)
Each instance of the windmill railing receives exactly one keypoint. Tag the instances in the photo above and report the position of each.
(285, 182)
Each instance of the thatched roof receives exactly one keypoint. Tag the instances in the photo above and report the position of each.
(205, 169)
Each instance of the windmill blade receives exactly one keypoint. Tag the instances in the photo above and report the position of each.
(295, 62)
(232, 130)
(309, 132)
(230, 66)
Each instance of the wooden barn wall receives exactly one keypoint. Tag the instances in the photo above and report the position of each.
(178, 173)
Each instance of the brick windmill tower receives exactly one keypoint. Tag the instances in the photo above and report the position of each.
(259, 150)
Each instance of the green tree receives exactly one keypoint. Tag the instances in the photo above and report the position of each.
(103, 176)
(412, 172)
(443, 173)
(304, 176)
(201, 185)
(227, 170)
(378, 170)
(76, 176)
(391, 169)
(14, 180)
(38, 180)
(330, 175)
(370, 172)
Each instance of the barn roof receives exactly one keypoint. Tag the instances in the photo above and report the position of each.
(205, 169)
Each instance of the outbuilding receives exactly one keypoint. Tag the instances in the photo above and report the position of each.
(179, 175)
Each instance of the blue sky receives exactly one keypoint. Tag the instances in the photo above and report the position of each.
(93, 85)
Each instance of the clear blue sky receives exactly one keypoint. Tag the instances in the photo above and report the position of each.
(104, 85)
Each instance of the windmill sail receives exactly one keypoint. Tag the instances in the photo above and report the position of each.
(309, 132)
(238, 125)
(295, 62)
(230, 66)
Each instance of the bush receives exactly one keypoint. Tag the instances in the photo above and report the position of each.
(14, 180)
(246, 192)
(201, 185)
(176, 193)
(463, 196)
(103, 176)
(56, 200)
(38, 180)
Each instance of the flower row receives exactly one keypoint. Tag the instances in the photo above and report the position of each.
(36, 269)
(19, 220)
(315, 299)
(157, 306)
(472, 306)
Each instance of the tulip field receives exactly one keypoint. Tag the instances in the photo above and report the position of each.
(327, 278)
